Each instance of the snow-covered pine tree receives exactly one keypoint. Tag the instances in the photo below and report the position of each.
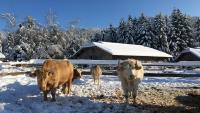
(97, 37)
(197, 33)
(189, 31)
(180, 32)
(56, 40)
(122, 32)
(112, 33)
(106, 35)
(1, 41)
(160, 41)
(76, 38)
(131, 30)
(145, 32)
(135, 30)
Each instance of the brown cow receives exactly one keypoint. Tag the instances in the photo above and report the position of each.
(131, 73)
(56, 73)
(96, 72)
(38, 73)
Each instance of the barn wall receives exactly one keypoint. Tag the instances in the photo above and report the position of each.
(93, 53)
(187, 57)
(99, 54)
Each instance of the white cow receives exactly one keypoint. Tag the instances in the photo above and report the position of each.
(131, 73)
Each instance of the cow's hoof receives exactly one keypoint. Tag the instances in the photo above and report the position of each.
(69, 94)
(53, 100)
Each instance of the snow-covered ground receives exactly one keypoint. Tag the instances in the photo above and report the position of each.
(13, 69)
(20, 94)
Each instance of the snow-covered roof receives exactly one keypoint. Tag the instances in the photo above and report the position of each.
(2, 55)
(195, 51)
(129, 49)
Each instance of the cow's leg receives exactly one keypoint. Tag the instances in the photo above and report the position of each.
(125, 89)
(134, 94)
(53, 94)
(64, 88)
(131, 88)
(134, 90)
(94, 80)
(45, 95)
(69, 86)
(98, 80)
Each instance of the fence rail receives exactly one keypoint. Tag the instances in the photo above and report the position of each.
(115, 62)
(105, 62)
(109, 63)
(147, 74)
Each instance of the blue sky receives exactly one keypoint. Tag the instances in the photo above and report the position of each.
(93, 13)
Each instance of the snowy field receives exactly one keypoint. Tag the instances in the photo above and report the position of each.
(20, 94)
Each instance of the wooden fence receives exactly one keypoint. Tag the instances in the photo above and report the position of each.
(149, 67)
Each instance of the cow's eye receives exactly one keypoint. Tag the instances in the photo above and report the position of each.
(50, 73)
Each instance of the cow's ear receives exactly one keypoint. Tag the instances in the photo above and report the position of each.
(138, 65)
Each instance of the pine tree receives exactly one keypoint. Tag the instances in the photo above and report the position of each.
(112, 31)
(145, 32)
(122, 33)
(197, 33)
(135, 30)
(131, 30)
(180, 32)
(160, 41)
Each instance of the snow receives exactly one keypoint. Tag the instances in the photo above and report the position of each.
(13, 69)
(166, 82)
(130, 49)
(36, 61)
(20, 94)
(2, 55)
(182, 72)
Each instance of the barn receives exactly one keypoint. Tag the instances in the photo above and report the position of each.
(2, 56)
(189, 54)
(112, 51)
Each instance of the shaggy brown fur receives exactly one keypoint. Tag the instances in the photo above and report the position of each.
(56, 73)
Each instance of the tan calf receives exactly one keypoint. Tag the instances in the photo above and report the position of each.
(96, 72)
